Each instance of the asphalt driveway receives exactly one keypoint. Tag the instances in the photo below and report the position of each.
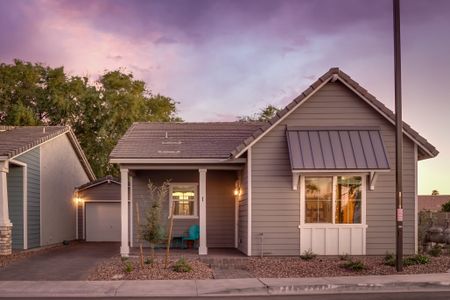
(73, 262)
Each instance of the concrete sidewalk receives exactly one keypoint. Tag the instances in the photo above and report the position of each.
(227, 287)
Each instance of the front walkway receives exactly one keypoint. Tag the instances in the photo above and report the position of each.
(73, 262)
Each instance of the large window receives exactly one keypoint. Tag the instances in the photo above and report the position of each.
(333, 199)
(183, 199)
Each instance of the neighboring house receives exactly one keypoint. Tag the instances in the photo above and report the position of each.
(432, 203)
(98, 213)
(40, 166)
(320, 175)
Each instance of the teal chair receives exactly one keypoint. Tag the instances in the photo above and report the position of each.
(193, 235)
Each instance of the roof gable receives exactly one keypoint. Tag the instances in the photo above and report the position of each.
(331, 76)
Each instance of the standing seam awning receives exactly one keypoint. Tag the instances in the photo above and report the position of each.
(328, 149)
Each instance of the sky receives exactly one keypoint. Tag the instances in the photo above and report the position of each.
(226, 58)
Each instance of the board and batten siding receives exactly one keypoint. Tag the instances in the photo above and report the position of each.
(276, 207)
(243, 212)
(219, 203)
(15, 204)
(32, 159)
(61, 172)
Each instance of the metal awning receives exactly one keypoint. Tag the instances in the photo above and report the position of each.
(336, 150)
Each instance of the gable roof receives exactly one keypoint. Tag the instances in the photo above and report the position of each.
(91, 184)
(209, 140)
(334, 74)
(15, 140)
(432, 203)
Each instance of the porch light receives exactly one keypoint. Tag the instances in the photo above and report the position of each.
(237, 191)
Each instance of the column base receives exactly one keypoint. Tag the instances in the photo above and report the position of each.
(202, 251)
(5, 240)
(124, 251)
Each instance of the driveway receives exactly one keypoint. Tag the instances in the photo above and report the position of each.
(73, 262)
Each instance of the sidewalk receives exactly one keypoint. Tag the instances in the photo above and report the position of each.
(227, 287)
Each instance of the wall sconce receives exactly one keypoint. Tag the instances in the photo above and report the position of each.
(237, 189)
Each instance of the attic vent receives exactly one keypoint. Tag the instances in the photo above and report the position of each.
(168, 151)
(172, 143)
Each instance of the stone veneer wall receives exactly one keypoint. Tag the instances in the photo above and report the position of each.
(5, 240)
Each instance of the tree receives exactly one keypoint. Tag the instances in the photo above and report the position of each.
(99, 112)
(435, 193)
(153, 230)
(446, 206)
(265, 114)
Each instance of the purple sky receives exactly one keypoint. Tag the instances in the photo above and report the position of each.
(221, 59)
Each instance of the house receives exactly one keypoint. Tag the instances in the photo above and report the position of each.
(432, 203)
(98, 211)
(39, 167)
(318, 176)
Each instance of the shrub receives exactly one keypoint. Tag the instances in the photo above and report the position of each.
(418, 259)
(446, 206)
(345, 257)
(436, 250)
(389, 259)
(308, 255)
(182, 266)
(128, 267)
(356, 265)
(149, 261)
(123, 258)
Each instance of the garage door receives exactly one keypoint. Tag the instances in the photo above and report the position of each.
(102, 222)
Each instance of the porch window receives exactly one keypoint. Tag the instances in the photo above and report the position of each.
(183, 199)
(333, 199)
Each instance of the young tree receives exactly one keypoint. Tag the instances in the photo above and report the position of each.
(153, 230)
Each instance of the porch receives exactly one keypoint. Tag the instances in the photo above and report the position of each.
(206, 198)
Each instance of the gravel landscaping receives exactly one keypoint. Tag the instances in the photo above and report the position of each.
(129, 269)
(332, 266)
(267, 267)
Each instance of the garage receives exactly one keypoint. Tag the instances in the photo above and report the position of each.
(98, 210)
(102, 222)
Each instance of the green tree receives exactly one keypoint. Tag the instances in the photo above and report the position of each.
(435, 193)
(265, 114)
(99, 112)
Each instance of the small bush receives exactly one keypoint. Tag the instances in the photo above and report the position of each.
(389, 259)
(446, 206)
(418, 259)
(182, 266)
(356, 265)
(149, 261)
(123, 258)
(436, 250)
(308, 255)
(345, 257)
(128, 267)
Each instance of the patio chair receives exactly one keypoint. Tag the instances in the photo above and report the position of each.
(193, 235)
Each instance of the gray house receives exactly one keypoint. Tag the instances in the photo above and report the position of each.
(319, 176)
(39, 168)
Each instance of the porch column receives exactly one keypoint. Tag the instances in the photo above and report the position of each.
(5, 223)
(202, 249)
(124, 248)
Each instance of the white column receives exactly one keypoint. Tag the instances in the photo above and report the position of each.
(124, 248)
(203, 249)
(4, 213)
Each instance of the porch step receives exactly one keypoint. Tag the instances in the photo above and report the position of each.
(225, 263)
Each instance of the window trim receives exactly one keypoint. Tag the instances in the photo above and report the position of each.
(333, 223)
(188, 184)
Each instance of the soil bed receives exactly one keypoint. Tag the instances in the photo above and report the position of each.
(116, 269)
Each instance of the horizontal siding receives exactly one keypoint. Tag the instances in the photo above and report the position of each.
(272, 194)
(243, 213)
(32, 159)
(15, 204)
(219, 203)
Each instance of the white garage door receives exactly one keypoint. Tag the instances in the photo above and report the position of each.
(102, 222)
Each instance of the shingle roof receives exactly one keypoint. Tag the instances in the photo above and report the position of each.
(432, 203)
(182, 140)
(338, 74)
(106, 179)
(336, 149)
(14, 140)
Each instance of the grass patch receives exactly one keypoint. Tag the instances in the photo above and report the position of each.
(128, 267)
(182, 266)
(308, 255)
(418, 259)
(148, 261)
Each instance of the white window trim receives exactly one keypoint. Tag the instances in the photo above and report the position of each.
(333, 224)
(193, 184)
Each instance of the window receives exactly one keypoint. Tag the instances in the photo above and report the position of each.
(341, 194)
(183, 199)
